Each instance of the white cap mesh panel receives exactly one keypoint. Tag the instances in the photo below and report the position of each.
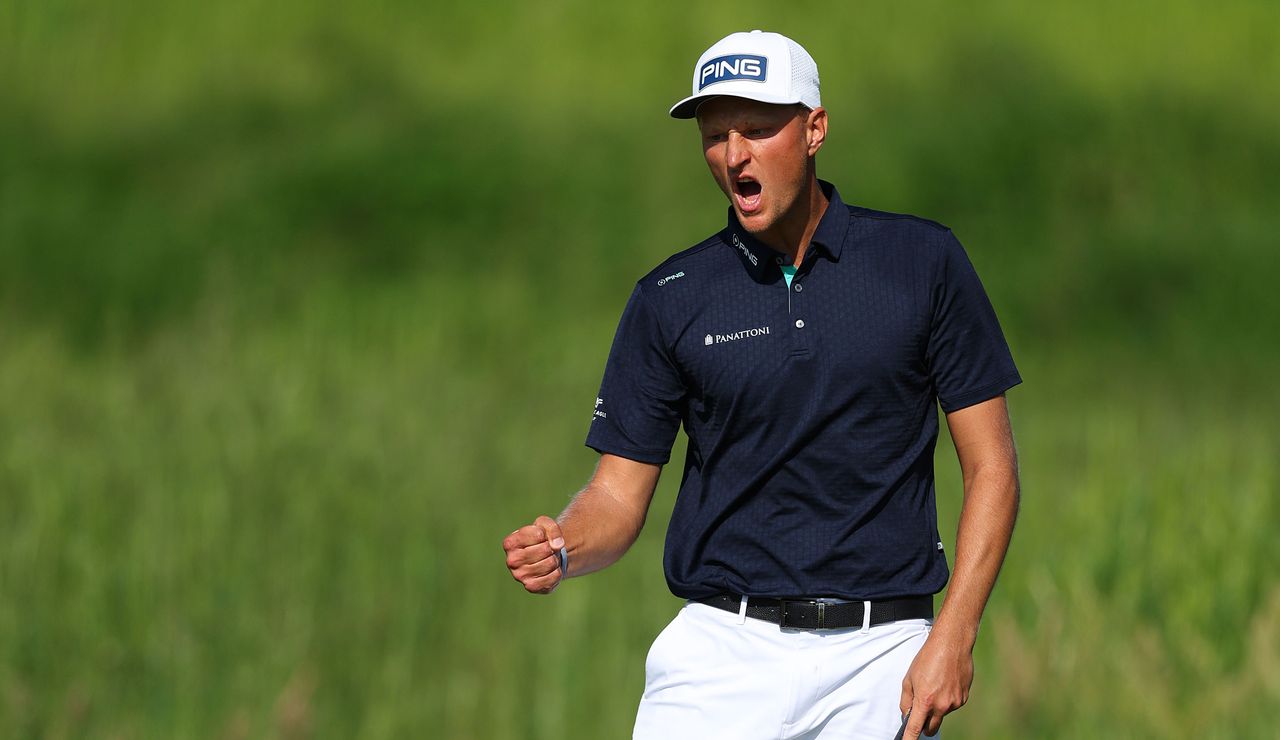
(804, 73)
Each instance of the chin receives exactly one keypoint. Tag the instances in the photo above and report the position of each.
(755, 223)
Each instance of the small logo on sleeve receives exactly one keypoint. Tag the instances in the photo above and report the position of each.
(733, 67)
(598, 413)
(669, 278)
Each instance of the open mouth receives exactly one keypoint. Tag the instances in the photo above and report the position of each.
(746, 191)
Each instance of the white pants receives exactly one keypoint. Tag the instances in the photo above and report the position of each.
(710, 674)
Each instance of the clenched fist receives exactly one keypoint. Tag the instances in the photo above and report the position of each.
(532, 555)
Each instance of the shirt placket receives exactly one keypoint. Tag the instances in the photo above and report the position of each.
(798, 329)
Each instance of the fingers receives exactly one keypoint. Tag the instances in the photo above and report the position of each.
(526, 536)
(918, 713)
(532, 555)
(924, 718)
(543, 529)
(904, 707)
(539, 569)
(543, 584)
(530, 537)
(539, 578)
(528, 555)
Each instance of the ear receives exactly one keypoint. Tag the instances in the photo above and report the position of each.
(815, 129)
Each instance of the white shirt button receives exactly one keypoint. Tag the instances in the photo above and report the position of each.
(799, 323)
(799, 287)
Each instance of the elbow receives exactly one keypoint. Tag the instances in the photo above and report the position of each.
(997, 484)
(1012, 487)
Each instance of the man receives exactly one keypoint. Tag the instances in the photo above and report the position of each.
(804, 348)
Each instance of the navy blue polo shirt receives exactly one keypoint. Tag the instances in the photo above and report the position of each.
(810, 410)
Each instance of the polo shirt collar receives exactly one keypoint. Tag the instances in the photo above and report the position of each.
(763, 261)
(834, 225)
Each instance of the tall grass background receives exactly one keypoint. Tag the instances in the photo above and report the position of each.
(303, 306)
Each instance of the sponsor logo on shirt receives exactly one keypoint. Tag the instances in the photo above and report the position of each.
(733, 67)
(669, 278)
(598, 414)
(742, 245)
(711, 339)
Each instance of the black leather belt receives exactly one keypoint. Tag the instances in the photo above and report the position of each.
(811, 614)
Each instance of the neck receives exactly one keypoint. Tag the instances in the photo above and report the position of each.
(791, 233)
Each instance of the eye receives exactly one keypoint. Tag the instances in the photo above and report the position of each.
(756, 133)
(717, 137)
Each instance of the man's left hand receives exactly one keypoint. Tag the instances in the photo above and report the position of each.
(937, 683)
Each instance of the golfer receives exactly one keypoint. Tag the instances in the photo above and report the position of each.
(805, 348)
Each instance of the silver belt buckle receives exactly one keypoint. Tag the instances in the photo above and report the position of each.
(784, 623)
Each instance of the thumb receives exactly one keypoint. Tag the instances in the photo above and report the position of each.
(552, 529)
(908, 694)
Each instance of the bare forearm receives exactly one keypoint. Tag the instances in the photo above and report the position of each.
(939, 679)
(596, 528)
(986, 526)
(603, 521)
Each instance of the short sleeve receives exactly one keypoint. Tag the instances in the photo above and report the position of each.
(968, 357)
(641, 398)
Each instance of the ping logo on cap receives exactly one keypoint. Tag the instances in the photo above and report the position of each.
(733, 67)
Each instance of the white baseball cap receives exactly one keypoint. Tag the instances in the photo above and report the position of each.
(759, 65)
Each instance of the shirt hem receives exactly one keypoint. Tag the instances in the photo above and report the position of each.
(978, 395)
(645, 456)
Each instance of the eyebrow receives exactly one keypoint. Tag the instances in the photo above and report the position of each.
(765, 119)
(743, 122)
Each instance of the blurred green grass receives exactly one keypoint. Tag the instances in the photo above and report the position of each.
(302, 304)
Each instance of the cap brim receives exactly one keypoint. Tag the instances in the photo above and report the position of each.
(688, 107)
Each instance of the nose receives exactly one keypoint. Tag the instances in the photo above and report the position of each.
(736, 151)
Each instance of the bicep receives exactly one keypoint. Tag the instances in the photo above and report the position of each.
(983, 435)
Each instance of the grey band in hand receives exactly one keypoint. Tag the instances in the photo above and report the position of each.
(563, 556)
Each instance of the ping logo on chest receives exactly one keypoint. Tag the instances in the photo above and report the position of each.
(733, 67)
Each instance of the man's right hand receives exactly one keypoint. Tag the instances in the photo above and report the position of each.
(531, 555)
